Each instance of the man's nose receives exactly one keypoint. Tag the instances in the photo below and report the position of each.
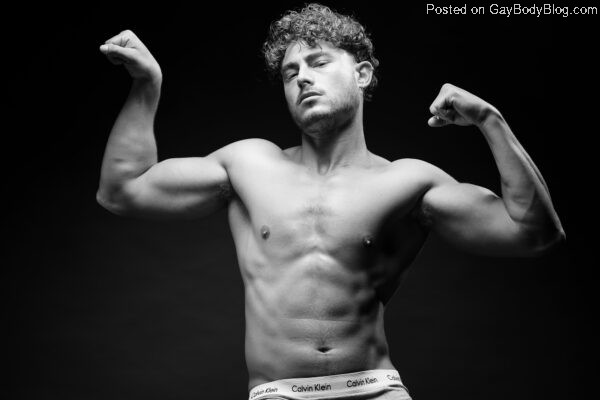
(304, 77)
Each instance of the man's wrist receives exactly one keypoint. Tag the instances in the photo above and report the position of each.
(147, 89)
(149, 83)
(491, 117)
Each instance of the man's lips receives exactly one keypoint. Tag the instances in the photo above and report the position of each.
(306, 95)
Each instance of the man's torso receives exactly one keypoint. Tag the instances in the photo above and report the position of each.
(320, 256)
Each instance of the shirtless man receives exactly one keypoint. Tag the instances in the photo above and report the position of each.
(324, 230)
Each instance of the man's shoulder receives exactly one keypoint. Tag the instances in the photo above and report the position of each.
(246, 149)
(413, 165)
(421, 171)
(256, 144)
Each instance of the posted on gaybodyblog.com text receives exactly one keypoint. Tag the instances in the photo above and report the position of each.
(511, 10)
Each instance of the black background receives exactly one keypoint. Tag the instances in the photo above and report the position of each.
(100, 306)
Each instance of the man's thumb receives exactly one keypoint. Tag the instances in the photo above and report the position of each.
(113, 49)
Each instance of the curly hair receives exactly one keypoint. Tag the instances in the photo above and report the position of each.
(317, 22)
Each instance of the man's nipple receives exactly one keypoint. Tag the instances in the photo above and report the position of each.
(264, 232)
(367, 240)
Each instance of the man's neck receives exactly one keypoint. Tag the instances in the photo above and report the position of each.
(324, 152)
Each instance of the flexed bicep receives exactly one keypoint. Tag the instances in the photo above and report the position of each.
(177, 188)
(474, 219)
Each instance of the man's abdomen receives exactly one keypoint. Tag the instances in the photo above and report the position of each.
(313, 320)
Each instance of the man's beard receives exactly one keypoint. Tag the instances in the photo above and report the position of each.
(326, 123)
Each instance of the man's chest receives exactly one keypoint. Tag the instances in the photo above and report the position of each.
(287, 207)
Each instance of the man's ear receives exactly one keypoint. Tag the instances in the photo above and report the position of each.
(364, 73)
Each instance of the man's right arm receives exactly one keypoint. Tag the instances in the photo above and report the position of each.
(132, 182)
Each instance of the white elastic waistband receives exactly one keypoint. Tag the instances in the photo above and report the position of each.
(331, 386)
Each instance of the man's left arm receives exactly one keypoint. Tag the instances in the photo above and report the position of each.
(523, 221)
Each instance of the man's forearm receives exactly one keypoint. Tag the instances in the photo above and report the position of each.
(131, 147)
(524, 190)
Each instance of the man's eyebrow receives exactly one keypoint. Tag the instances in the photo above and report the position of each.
(309, 58)
(289, 65)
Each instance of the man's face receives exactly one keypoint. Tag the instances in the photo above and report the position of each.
(320, 84)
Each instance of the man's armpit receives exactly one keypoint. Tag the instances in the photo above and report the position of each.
(422, 213)
(226, 192)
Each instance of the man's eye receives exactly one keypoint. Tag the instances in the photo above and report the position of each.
(320, 63)
(290, 76)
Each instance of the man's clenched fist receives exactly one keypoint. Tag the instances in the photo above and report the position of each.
(127, 49)
(454, 105)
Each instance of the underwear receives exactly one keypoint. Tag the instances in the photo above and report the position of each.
(352, 385)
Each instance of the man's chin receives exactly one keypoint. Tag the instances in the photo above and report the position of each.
(313, 116)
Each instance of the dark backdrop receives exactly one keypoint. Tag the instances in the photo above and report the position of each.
(100, 306)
